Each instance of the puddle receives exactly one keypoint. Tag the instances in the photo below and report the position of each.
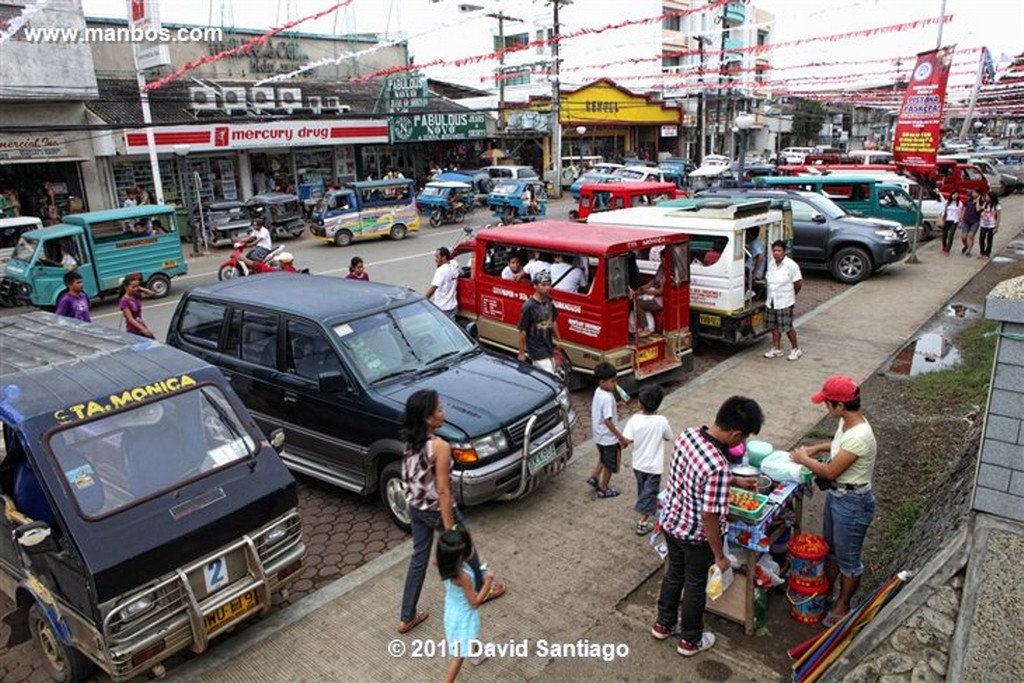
(960, 311)
(1003, 259)
(928, 353)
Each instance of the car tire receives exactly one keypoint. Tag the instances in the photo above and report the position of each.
(64, 664)
(927, 232)
(436, 218)
(850, 265)
(392, 494)
(574, 214)
(398, 232)
(343, 238)
(160, 285)
(228, 272)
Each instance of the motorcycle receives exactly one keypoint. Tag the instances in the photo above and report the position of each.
(444, 214)
(234, 266)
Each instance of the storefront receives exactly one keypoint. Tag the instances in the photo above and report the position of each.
(237, 160)
(421, 141)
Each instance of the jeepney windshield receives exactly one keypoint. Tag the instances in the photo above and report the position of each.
(225, 216)
(433, 191)
(117, 460)
(401, 342)
(505, 188)
(24, 249)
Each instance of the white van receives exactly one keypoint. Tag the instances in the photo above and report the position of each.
(640, 174)
(11, 230)
(871, 156)
(794, 155)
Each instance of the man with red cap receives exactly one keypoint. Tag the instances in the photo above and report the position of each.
(846, 476)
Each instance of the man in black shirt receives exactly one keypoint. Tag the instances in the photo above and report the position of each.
(538, 325)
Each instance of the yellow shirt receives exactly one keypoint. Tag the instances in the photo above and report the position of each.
(859, 440)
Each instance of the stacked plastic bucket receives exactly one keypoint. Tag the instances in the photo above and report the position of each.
(807, 587)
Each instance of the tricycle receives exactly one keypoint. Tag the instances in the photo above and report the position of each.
(445, 201)
(518, 200)
(282, 213)
(226, 222)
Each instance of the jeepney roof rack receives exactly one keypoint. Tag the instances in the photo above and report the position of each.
(721, 207)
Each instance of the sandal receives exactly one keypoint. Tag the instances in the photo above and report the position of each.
(644, 527)
(497, 590)
(608, 493)
(592, 481)
(406, 626)
(831, 619)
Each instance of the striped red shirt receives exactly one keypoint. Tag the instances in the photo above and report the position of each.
(698, 481)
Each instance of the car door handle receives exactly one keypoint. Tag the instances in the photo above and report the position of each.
(290, 397)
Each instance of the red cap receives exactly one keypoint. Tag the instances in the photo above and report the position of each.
(837, 388)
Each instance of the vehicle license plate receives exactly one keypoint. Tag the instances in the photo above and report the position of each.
(229, 611)
(710, 320)
(541, 458)
(757, 320)
(647, 354)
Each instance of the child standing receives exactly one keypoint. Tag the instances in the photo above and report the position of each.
(461, 601)
(604, 420)
(649, 432)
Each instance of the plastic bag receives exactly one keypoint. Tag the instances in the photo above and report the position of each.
(718, 581)
(779, 467)
(768, 572)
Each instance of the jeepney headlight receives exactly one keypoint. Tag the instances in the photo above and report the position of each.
(137, 607)
(563, 399)
(887, 235)
(492, 444)
(276, 533)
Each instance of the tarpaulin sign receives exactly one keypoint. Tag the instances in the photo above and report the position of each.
(919, 124)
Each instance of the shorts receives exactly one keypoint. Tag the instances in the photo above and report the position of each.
(610, 456)
(970, 228)
(647, 487)
(779, 318)
(848, 515)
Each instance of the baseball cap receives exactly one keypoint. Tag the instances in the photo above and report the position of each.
(837, 388)
(285, 257)
(542, 277)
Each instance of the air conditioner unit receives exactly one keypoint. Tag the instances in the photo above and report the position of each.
(262, 99)
(315, 104)
(289, 99)
(333, 104)
(233, 99)
(202, 98)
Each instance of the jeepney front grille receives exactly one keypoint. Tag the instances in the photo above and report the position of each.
(548, 418)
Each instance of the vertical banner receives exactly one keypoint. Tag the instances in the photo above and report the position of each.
(919, 124)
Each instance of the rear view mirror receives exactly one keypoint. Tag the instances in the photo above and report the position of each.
(35, 537)
(818, 218)
(333, 382)
(277, 440)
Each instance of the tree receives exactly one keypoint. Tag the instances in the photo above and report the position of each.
(808, 117)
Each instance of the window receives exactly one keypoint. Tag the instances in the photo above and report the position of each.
(544, 34)
(670, 62)
(309, 353)
(671, 23)
(519, 77)
(803, 211)
(201, 322)
(254, 335)
(511, 41)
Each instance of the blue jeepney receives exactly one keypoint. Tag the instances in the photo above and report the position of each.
(591, 178)
(104, 247)
(518, 200)
(367, 209)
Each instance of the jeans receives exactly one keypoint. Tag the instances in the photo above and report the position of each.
(848, 515)
(985, 237)
(424, 523)
(948, 233)
(686, 575)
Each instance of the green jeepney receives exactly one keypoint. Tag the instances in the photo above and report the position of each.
(104, 247)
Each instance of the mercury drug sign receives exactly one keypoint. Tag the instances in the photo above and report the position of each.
(434, 127)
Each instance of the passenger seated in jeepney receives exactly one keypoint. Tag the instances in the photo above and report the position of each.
(711, 257)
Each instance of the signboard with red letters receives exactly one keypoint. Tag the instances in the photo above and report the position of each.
(919, 124)
(231, 136)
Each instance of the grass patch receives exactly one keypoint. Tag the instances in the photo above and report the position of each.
(822, 433)
(892, 529)
(966, 384)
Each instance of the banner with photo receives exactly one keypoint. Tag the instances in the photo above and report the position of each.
(919, 124)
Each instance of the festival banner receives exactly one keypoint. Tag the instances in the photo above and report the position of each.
(919, 124)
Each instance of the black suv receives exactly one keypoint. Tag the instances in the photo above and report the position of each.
(826, 237)
(332, 361)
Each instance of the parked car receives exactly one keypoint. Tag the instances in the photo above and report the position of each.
(641, 174)
(11, 230)
(142, 511)
(501, 172)
(826, 237)
(794, 155)
(332, 361)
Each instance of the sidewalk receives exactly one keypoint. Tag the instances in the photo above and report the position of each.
(570, 560)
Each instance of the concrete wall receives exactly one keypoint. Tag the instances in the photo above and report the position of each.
(999, 484)
(50, 70)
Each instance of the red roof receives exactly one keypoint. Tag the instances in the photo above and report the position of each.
(579, 238)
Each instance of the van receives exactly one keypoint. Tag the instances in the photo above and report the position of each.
(870, 156)
(641, 174)
(332, 362)
(794, 155)
(367, 210)
(105, 245)
(142, 511)
(11, 230)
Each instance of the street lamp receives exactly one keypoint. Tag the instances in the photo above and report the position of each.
(196, 232)
(744, 122)
(581, 131)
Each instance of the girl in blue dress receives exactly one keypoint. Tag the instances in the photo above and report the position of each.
(461, 600)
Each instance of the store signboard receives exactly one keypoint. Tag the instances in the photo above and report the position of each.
(32, 146)
(434, 127)
(271, 134)
(402, 93)
(670, 131)
(153, 56)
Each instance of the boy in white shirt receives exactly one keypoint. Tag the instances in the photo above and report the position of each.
(649, 433)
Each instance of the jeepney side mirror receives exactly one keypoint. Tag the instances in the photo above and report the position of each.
(818, 218)
(334, 382)
(35, 538)
(277, 440)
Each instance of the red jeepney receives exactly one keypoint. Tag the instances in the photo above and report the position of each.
(596, 319)
(611, 196)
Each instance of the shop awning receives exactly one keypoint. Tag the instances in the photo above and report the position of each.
(42, 160)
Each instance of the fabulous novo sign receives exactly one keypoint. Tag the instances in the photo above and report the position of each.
(433, 127)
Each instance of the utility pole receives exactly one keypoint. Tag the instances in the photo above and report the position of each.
(721, 76)
(501, 17)
(701, 39)
(556, 107)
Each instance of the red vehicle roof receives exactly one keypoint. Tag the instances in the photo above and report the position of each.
(580, 238)
(631, 187)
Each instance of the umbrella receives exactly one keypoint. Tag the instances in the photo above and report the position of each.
(493, 155)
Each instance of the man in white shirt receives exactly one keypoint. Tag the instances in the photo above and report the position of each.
(535, 265)
(784, 283)
(565, 276)
(444, 287)
(262, 235)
